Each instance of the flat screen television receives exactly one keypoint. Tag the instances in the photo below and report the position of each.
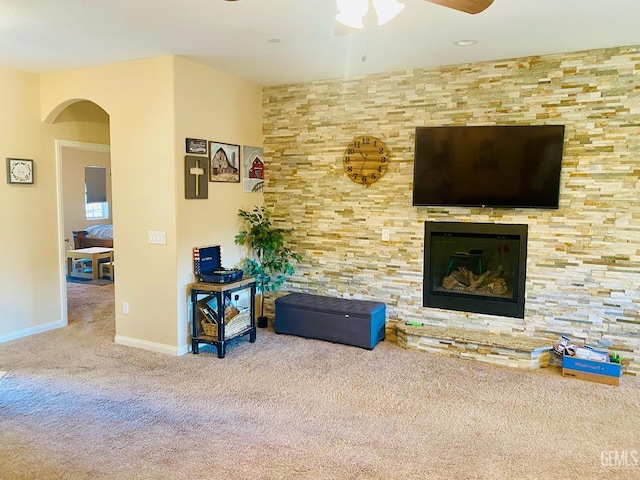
(510, 166)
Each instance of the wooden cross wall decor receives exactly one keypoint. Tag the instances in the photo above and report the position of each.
(196, 177)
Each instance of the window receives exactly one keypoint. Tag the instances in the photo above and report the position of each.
(95, 193)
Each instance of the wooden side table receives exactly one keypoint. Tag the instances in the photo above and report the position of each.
(222, 292)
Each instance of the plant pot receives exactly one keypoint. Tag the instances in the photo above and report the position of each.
(263, 322)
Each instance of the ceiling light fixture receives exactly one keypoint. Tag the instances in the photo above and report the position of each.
(352, 12)
(464, 43)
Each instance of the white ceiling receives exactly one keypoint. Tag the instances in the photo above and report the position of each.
(43, 36)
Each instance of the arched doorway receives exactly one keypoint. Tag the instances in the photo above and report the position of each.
(81, 130)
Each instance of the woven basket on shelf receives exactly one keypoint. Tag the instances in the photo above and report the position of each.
(238, 323)
(210, 329)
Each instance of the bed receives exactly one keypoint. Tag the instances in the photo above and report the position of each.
(93, 236)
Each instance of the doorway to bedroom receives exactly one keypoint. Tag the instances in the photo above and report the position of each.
(86, 212)
(85, 207)
(88, 280)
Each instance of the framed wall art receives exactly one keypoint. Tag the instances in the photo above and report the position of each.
(224, 162)
(20, 171)
(253, 172)
(197, 146)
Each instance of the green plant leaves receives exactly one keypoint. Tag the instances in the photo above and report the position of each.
(270, 261)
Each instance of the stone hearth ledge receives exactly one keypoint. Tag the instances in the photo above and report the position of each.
(495, 348)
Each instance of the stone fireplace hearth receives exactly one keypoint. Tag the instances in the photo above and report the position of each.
(506, 350)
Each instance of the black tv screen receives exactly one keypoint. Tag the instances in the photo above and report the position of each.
(511, 166)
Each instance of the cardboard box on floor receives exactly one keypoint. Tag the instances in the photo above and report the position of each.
(594, 371)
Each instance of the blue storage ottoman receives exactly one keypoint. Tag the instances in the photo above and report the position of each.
(353, 322)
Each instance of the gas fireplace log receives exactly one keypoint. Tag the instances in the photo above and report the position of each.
(450, 283)
(461, 275)
(487, 283)
(499, 286)
(477, 282)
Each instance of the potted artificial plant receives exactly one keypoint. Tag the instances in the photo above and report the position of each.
(269, 260)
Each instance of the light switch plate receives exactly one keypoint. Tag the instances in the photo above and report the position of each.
(156, 237)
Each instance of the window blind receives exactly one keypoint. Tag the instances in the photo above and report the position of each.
(95, 179)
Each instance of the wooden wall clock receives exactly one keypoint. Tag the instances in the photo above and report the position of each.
(365, 160)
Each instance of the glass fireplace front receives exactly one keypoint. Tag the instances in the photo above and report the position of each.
(475, 267)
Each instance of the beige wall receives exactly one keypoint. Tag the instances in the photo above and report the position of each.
(152, 106)
(582, 269)
(138, 97)
(217, 107)
(29, 276)
(30, 249)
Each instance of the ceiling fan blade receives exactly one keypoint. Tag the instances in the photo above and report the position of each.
(467, 6)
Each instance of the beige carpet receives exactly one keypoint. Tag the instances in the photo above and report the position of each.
(73, 405)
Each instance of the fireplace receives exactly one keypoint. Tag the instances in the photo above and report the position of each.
(475, 267)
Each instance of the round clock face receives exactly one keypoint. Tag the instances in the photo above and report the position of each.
(365, 160)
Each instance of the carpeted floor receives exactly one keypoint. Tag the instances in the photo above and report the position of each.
(73, 405)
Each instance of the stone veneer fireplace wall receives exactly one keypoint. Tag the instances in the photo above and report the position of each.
(583, 264)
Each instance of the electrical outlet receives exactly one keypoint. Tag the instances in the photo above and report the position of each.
(125, 308)
(386, 234)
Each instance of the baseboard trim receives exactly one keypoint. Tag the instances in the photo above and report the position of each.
(146, 345)
(27, 332)
(184, 349)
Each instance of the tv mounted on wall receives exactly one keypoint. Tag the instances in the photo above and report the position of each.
(510, 166)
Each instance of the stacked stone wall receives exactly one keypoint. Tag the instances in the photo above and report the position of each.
(583, 268)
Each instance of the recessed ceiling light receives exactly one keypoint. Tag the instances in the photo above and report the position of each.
(464, 43)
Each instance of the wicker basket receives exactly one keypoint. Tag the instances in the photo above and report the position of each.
(210, 329)
(238, 323)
